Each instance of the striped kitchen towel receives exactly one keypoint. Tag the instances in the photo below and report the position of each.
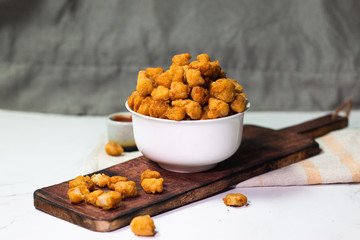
(338, 162)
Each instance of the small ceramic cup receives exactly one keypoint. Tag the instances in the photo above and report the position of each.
(120, 130)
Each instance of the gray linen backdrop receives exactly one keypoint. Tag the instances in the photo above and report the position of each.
(83, 56)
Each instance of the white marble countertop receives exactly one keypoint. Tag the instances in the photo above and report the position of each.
(39, 150)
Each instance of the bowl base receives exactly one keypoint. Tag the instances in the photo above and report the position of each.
(186, 169)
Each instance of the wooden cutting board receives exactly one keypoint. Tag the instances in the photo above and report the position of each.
(261, 150)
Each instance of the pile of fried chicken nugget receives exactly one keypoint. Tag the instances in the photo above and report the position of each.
(196, 90)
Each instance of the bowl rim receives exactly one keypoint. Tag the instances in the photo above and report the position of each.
(189, 121)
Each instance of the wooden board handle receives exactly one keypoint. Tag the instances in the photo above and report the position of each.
(319, 126)
(323, 125)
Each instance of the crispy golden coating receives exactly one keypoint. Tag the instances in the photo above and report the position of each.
(181, 59)
(157, 90)
(77, 194)
(158, 109)
(217, 108)
(92, 197)
(108, 200)
(152, 185)
(239, 103)
(114, 179)
(200, 95)
(235, 199)
(179, 90)
(100, 180)
(82, 181)
(176, 73)
(203, 57)
(149, 174)
(154, 73)
(126, 188)
(238, 87)
(143, 226)
(176, 113)
(144, 84)
(164, 79)
(134, 101)
(194, 78)
(192, 108)
(113, 149)
(223, 89)
(145, 106)
(160, 93)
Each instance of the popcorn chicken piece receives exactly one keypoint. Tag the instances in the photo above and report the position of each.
(158, 109)
(160, 93)
(217, 108)
(164, 79)
(200, 95)
(126, 188)
(203, 67)
(152, 185)
(93, 196)
(176, 73)
(145, 106)
(77, 194)
(134, 101)
(223, 89)
(205, 112)
(113, 149)
(238, 87)
(181, 59)
(143, 226)
(203, 57)
(176, 113)
(154, 73)
(194, 78)
(235, 199)
(149, 174)
(192, 108)
(100, 180)
(215, 70)
(114, 179)
(82, 181)
(239, 103)
(108, 200)
(179, 90)
(144, 84)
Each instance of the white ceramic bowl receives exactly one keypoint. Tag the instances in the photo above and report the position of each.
(190, 145)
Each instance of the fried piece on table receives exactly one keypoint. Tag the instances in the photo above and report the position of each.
(235, 199)
(113, 149)
(143, 226)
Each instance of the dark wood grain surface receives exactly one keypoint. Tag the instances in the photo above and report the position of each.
(262, 150)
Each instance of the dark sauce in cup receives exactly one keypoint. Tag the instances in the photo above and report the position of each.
(121, 118)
